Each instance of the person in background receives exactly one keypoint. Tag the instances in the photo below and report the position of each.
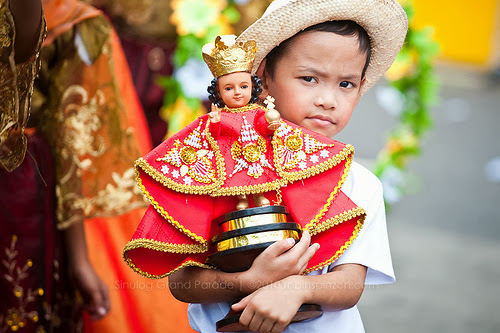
(66, 158)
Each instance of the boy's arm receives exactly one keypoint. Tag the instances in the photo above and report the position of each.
(280, 260)
(271, 308)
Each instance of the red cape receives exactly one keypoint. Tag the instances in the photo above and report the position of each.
(193, 178)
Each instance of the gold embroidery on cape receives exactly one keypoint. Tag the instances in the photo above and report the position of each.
(355, 233)
(248, 152)
(191, 157)
(189, 189)
(282, 166)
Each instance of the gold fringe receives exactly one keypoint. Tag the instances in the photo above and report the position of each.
(332, 197)
(243, 109)
(165, 247)
(165, 215)
(340, 251)
(154, 276)
(343, 217)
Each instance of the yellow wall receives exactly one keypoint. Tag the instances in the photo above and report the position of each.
(465, 29)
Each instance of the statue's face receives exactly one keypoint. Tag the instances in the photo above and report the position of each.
(235, 89)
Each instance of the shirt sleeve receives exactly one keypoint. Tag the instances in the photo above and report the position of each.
(371, 247)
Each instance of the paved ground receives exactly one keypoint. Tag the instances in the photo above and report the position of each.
(445, 234)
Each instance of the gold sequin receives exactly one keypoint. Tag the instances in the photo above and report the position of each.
(251, 152)
(236, 150)
(293, 142)
(188, 155)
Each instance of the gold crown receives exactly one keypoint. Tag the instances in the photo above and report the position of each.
(227, 56)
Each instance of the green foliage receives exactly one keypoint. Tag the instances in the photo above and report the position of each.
(420, 87)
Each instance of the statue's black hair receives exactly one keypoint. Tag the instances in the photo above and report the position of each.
(214, 96)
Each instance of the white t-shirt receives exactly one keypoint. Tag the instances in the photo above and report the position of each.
(370, 249)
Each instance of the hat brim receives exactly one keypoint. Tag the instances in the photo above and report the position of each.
(385, 22)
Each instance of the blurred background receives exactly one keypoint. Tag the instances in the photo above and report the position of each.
(444, 219)
(430, 131)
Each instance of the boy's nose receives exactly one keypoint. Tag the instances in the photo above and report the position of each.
(326, 100)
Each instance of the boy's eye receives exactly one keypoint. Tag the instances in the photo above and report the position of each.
(308, 78)
(245, 86)
(346, 84)
(228, 88)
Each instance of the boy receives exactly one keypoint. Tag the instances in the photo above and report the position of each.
(317, 77)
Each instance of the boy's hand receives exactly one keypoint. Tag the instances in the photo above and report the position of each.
(281, 260)
(271, 308)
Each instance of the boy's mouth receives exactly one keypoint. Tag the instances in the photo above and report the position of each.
(322, 120)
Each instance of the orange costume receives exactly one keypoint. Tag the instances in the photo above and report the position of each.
(85, 107)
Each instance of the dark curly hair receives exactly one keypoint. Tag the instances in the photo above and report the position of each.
(215, 98)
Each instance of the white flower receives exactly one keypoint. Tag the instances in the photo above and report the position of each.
(492, 170)
(314, 158)
(323, 153)
(390, 99)
(175, 174)
(210, 154)
(165, 169)
(188, 180)
(302, 165)
(392, 180)
(194, 78)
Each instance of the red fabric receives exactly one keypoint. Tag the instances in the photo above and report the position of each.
(177, 228)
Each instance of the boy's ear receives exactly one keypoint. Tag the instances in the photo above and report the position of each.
(361, 85)
(263, 75)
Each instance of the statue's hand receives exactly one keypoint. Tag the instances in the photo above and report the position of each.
(214, 114)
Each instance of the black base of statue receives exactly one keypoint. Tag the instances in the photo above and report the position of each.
(231, 322)
(246, 233)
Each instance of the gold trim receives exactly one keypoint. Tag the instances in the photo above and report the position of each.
(165, 247)
(344, 154)
(332, 196)
(243, 109)
(250, 189)
(154, 276)
(165, 215)
(345, 216)
(188, 189)
(358, 227)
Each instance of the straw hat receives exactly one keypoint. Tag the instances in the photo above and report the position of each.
(384, 21)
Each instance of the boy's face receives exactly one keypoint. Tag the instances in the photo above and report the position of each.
(235, 89)
(317, 83)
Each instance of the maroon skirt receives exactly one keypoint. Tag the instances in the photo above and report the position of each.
(34, 284)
